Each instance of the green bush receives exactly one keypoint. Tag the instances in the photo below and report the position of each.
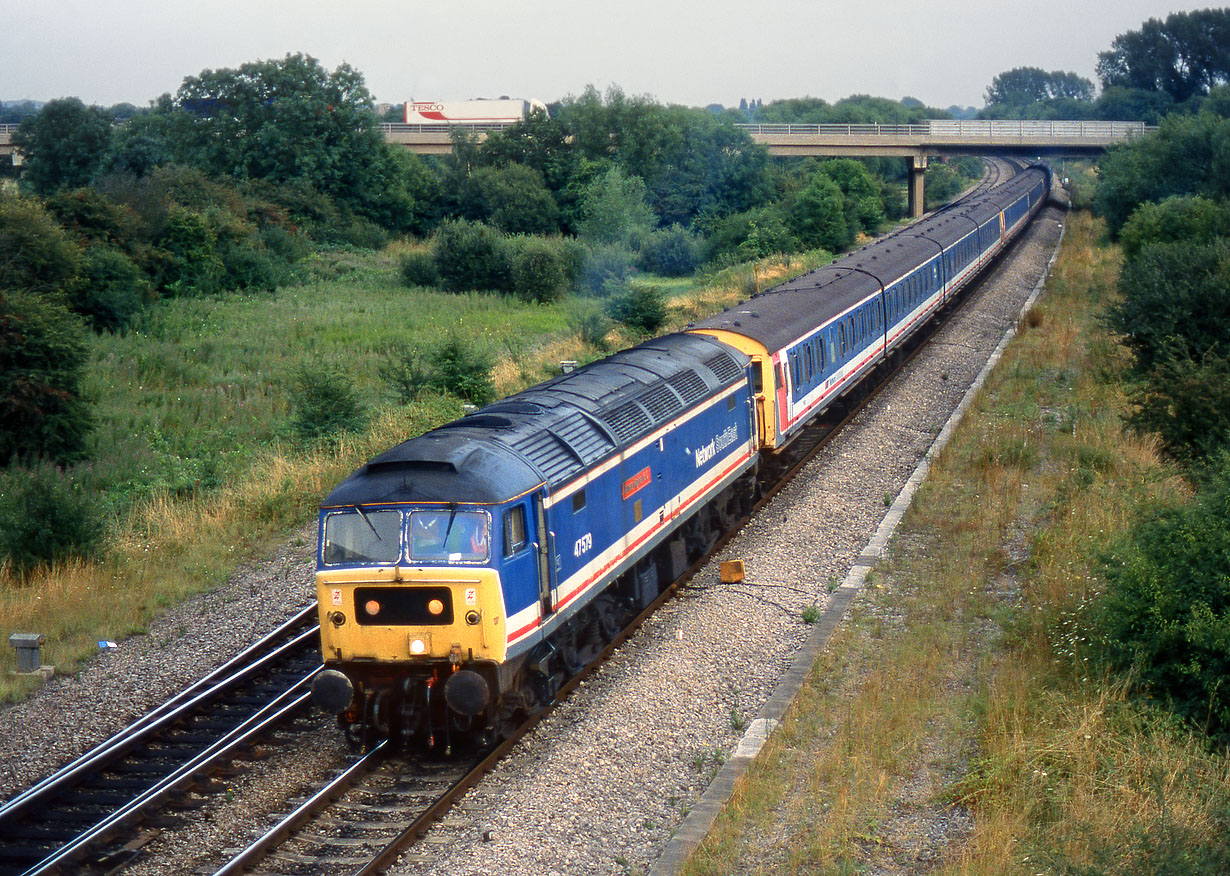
(464, 369)
(1175, 220)
(1165, 617)
(746, 236)
(671, 252)
(1186, 402)
(46, 517)
(363, 233)
(43, 355)
(537, 271)
(111, 290)
(286, 245)
(1174, 297)
(325, 403)
(35, 253)
(471, 255)
(817, 215)
(458, 366)
(250, 267)
(192, 266)
(419, 269)
(642, 309)
(408, 375)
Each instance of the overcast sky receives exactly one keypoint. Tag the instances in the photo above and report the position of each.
(943, 52)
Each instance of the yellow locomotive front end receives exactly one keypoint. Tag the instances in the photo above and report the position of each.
(412, 620)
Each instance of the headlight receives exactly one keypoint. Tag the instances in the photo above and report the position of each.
(417, 646)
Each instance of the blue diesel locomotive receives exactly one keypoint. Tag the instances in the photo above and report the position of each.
(465, 574)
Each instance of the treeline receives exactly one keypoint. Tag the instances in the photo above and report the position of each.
(1165, 619)
(1166, 66)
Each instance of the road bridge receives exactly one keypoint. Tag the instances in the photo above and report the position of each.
(936, 138)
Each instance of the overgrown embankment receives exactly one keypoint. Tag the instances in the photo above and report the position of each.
(961, 723)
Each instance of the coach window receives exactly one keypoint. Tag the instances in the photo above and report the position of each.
(841, 334)
(578, 501)
(515, 537)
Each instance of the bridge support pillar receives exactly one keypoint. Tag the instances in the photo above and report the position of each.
(917, 167)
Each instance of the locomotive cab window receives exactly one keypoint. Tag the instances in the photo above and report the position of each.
(515, 537)
(578, 501)
(360, 536)
(449, 536)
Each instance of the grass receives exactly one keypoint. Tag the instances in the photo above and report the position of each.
(957, 724)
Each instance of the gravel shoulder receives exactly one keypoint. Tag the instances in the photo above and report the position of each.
(601, 784)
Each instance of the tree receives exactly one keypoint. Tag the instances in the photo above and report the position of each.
(818, 216)
(291, 120)
(864, 207)
(1189, 155)
(1191, 219)
(690, 160)
(35, 253)
(471, 255)
(1132, 104)
(1175, 299)
(63, 145)
(615, 209)
(1025, 85)
(1185, 55)
(513, 198)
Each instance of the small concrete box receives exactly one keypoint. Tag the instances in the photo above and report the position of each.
(27, 645)
(732, 571)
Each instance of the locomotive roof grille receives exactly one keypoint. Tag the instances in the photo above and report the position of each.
(549, 454)
(661, 403)
(690, 386)
(628, 420)
(724, 368)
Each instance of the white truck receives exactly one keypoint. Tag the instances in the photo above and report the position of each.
(504, 111)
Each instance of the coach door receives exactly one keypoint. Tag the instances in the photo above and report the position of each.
(546, 559)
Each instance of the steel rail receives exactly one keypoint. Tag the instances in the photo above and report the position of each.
(271, 715)
(154, 722)
(317, 803)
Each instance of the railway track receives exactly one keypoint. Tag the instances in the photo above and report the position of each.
(94, 814)
(364, 819)
(374, 810)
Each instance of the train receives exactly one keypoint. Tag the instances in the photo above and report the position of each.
(464, 575)
(502, 111)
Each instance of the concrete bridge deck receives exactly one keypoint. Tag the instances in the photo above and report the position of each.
(938, 137)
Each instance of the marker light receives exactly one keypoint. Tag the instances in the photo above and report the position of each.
(372, 607)
(435, 606)
(417, 646)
